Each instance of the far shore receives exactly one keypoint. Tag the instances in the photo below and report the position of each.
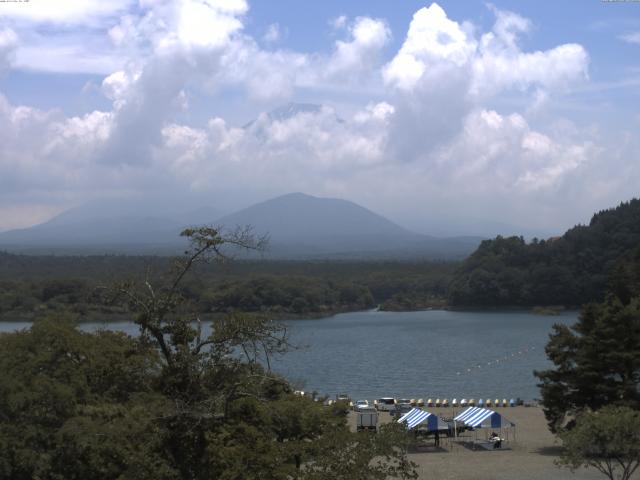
(289, 316)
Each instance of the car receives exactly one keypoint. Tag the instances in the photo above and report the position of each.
(402, 406)
(385, 404)
(343, 397)
(360, 404)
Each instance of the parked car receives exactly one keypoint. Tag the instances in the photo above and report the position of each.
(385, 404)
(402, 406)
(360, 404)
(343, 397)
(344, 401)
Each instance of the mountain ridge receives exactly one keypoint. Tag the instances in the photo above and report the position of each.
(299, 226)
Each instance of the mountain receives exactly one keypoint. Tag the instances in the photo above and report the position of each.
(301, 217)
(571, 270)
(117, 225)
(299, 226)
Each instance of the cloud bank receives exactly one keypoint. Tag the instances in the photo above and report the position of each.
(430, 143)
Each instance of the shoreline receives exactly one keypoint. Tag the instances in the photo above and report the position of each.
(285, 316)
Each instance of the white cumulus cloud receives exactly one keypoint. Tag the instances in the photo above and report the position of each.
(433, 41)
(431, 134)
(361, 52)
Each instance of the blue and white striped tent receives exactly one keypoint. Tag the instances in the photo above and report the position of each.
(483, 418)
(416, 417)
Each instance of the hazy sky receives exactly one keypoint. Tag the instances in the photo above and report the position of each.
(453, 112)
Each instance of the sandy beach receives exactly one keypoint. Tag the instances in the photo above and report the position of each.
(529, 457)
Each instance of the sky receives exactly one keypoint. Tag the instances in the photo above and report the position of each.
(441, 116)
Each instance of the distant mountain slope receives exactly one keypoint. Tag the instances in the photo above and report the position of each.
(568, 270)
(297, 216)
(109, 226)
(299, 226)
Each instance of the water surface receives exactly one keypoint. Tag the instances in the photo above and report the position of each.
(422, 354)
(428, 354)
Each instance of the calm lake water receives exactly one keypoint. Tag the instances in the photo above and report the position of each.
(429, 354)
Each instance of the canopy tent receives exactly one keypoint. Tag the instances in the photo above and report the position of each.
(483, 418)
(417, 416)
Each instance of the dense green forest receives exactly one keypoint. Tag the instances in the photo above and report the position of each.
(570, 270)
(36, 285)
(172, 403)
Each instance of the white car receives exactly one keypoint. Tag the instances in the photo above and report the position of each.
(385, 404)
(360, 404)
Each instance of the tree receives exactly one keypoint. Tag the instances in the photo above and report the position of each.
(597, 362)
(227, 409)
(172, 403)
(363, 456)
(607, 440)
(76, 405)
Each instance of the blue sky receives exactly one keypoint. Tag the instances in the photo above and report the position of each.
(436, 115)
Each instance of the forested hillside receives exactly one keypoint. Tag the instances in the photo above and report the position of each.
(34, 285)
(569, 270)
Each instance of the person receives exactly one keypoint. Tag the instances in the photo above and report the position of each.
(437, 438)
(495, 438)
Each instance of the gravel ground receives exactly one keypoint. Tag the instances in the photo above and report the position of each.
(529, 457)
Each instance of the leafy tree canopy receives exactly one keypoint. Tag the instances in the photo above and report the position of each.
(607, 440)
(171, 403)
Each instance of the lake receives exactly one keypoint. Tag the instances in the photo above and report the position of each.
(426, 354)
